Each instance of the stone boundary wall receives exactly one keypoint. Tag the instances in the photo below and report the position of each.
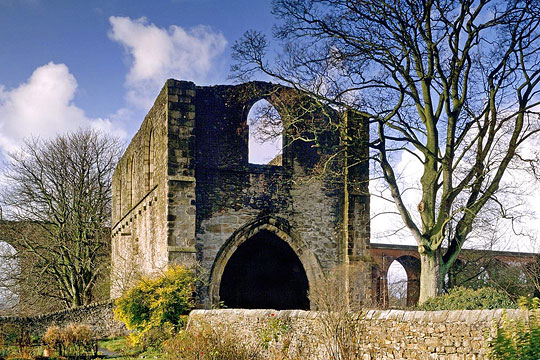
(98, 316)
(386, 334)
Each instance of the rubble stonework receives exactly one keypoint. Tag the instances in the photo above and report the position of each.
(185, 192)
(385, 334)
(99, 317)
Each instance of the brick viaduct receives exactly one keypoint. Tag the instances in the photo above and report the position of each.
(383, 255)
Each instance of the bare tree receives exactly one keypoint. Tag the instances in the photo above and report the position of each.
(9, 271)
(532, 273)
(61, 190)
(338, 322)
(454, 83)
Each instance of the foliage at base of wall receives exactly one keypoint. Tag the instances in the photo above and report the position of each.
(99, 317)
(518, 338)
(205, 341)
(158, 306)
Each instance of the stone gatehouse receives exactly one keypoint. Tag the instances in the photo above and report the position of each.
(184, 192)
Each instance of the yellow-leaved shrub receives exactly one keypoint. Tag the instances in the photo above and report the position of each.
(157, 306)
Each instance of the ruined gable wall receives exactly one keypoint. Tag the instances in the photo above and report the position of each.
(232, 193)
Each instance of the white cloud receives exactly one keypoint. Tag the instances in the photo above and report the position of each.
(157, 54)
(106, 126)
(386, 224)
(43, 106)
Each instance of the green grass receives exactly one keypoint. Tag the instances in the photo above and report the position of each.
(13, 352)
(118, 344)
(121, 346)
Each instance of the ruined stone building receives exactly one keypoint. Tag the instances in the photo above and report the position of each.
(185, 192)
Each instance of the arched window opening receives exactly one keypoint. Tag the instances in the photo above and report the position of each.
(151, 162)
(264, 273)
(129, 184)
(119, 198)
(136, 247)
(265, 134)
(9, 274)
(132, 180)
(397, 285)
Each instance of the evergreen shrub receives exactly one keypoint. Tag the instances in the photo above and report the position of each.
(462, 298)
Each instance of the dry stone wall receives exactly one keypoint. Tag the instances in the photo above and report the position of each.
(385, 334)
(99, 317)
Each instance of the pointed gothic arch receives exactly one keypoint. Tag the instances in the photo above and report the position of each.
(290, 255)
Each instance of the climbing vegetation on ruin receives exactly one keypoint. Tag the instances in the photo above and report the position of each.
(462, 298)
(157, 307)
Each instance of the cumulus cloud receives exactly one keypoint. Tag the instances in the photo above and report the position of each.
(43, 106)
(157, 54)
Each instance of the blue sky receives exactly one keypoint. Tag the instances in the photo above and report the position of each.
(66, 64)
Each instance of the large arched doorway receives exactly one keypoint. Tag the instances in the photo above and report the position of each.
(264, 272)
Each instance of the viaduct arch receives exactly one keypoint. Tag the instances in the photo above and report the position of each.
(384, 254)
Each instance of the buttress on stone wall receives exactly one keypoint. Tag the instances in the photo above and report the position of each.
(184, 192)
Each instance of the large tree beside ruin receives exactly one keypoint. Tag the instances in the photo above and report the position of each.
(454, 83)
(58, 197)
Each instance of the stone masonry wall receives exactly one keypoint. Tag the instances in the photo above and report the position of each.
(139, 228)
(232, 194)
(98, 316)
(184, 190)
(386, 334)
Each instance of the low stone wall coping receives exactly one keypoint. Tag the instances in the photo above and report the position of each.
(15, 319)
(439, 316)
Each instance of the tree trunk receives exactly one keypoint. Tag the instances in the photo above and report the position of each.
(430, 275)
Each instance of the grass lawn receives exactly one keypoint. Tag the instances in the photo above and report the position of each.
(121, 348)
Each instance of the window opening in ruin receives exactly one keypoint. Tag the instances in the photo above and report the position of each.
(265, 134)
(397, 285)
(119, 198)
(129, 184)
(132, 180)
(264, 273)
(9, 273)
(151, 160)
